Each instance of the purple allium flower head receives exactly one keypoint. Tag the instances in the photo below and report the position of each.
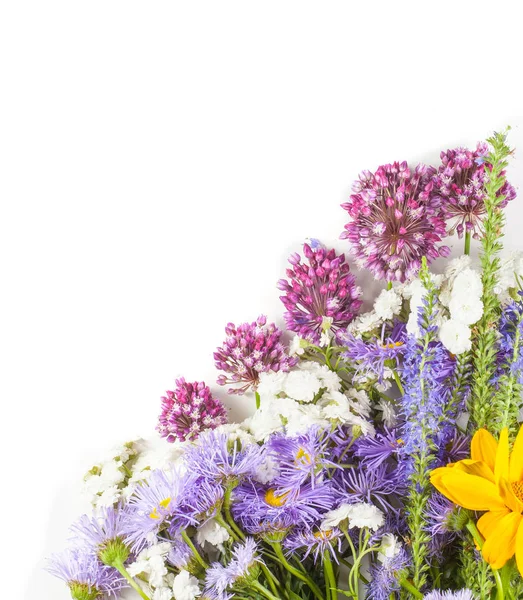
(86, 576)
(385, 576)
(459, 187)
(189, 410)
(322, 289)
(395, 221)
(300, 458)
(154, 505)
(449, 595)
(376, 486)
(251, 349)
(314, 542)
(373, 451)
(265, 510)
(216, 458)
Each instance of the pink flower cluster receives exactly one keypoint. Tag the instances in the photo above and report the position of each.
(188, 410)
(248, 350)
(322, 289)
(396, 220)
(459, 185)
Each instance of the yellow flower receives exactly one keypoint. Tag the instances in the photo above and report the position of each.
(491, 480)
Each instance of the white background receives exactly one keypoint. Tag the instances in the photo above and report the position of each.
(158, 162)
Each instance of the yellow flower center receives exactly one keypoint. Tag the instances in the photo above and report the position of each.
(274, 499)
(392, 345)
(517, 488)
(323, 535)
(163, 504)
(303, 457)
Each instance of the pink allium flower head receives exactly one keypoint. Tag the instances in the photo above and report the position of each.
(248, 350)
(189, 410)
(322, 289)
(395, 221)
(459, 187)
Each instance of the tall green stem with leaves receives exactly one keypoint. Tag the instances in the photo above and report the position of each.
(482, 410)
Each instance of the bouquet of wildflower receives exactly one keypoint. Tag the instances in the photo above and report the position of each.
(384, 459)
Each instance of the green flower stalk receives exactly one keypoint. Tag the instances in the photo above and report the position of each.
(483, 410)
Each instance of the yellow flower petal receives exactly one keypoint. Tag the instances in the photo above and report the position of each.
(474, 467)
(500, 546)
(519, 548)
(516, 458)
(490, 520)
(470, 491)
(484, 447)
(502, 456)
(509, 498)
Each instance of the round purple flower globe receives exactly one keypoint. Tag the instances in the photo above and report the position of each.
(189, 410)
(395, 221)
(251, 349)
(459, 187)
(322, 292)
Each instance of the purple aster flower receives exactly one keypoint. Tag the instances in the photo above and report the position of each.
(315, 542)
(97, 532)
(509, 359)
(459, 186)
(395, 221)
(449, 595)
(153, 506)
(324, 289)
(442, 522)
(251, 349)
(454, 445)
(373, 356)
(300, 458)
(216, 458)
(189, 410)
(86, 577)
(376, 450)
(264, 510)
(241, 569)
(376, 486)
(180, 555)
(202, 499)
(386, 575)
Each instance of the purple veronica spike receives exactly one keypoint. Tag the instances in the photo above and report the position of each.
(251, 349)
(154, 505)
(86, 576)
(395, 221)
(189, 410)
(262, 509)
(216, 459)
(322, 289)
(459, 187)
(315, 542)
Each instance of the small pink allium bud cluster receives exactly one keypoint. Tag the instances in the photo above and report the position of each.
(189, 410)
(324, 288)
(248, 350)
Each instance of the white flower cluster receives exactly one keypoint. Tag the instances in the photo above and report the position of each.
(510, 271)
(387, 305)
(287, 402)
(461, 294)
(360, 515)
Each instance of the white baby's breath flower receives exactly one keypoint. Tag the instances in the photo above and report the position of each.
(467, 283)
(211, 532)
(185, 586)
(388, 304)
(358, 515)
(297, 346)
(389, 548)
(162, 593)
(151, 563)
(271, 384)
(388, 413)
(364, 323)
(466, 309)
(108, 498)
(267, 471)
(328, 379)
(455, 336)
(301, 385)
(237, 431)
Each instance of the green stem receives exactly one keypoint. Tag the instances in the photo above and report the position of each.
(398, 382)
(305, 578)
(330, 580)
(228, 515)
(264, 591)
(118, 565)
(471, 526)
(258, 400)
(467, 242)
(197, 556)
(406, 585)
(270, 578)
(389, 285)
